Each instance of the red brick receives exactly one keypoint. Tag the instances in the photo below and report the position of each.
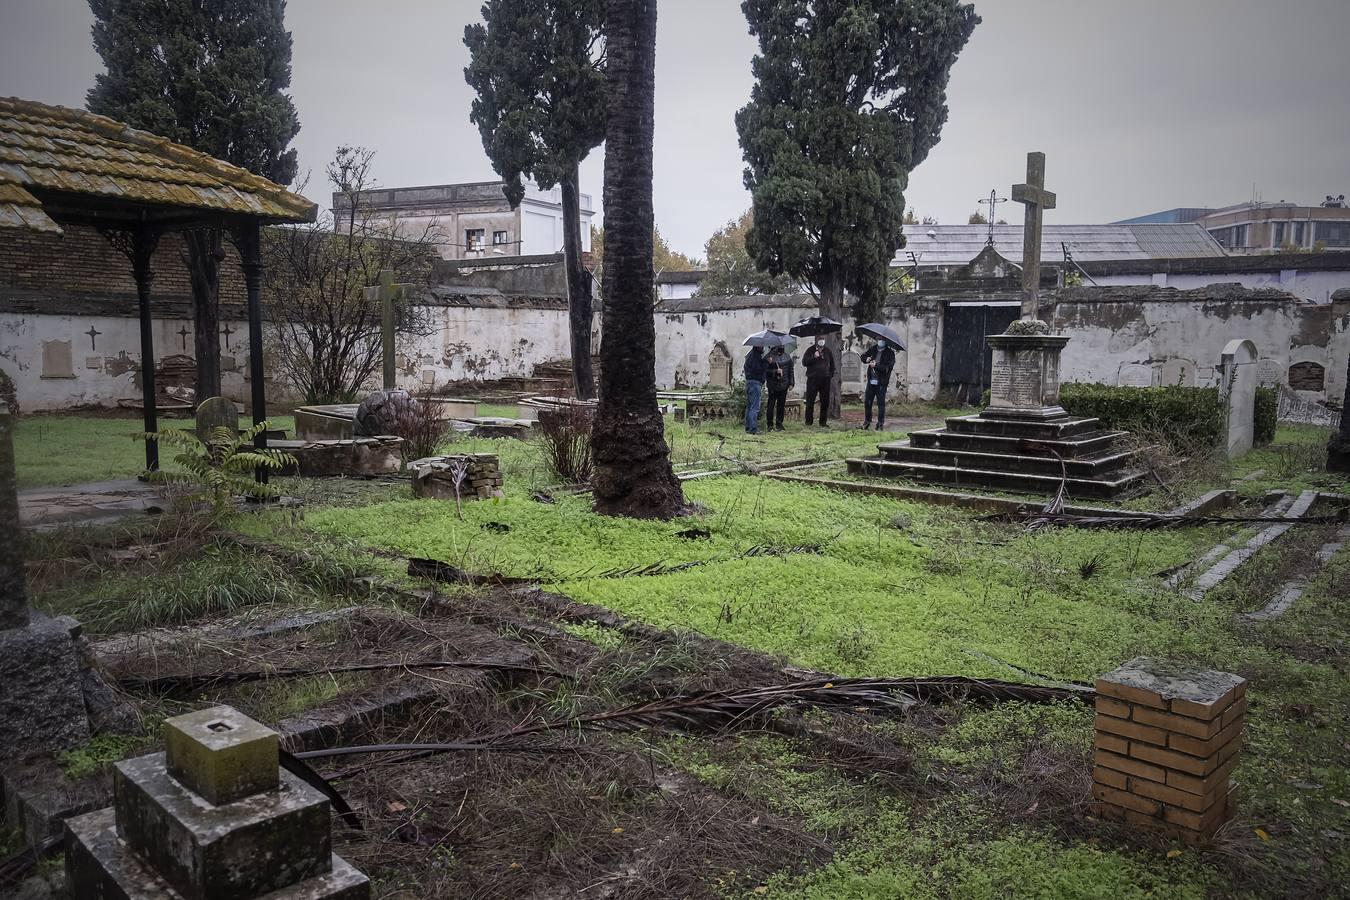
(1126, 800)
(1207, 711)
(1109, 706)
(1196, 728)
(1177, 797)
(1193, 785)
(1182, 762)
(1235, 712)
(1130, 694)
(1103, 741)
(1132, 730)
(1205, 822)
(1130, 766)
(1112, 778)
(1206, 748)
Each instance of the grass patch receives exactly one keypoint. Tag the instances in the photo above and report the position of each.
(102, 751)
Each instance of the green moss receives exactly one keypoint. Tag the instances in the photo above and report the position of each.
(101, 751)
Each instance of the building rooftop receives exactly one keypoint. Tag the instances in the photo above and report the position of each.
(50, 151)
(956, 245)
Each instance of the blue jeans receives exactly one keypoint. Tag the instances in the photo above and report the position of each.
(752, 391)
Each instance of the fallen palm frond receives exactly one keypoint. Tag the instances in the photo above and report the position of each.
(1150, 521)
(188, 684)
(1056, 504)
(444, 571)
(727, 709)
(14, 869)
(301, 769)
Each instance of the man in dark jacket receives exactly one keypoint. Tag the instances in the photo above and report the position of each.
(780, 381)
(756, 370)
(880, 360)
(819, 363)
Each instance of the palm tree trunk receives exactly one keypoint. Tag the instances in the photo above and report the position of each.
(633, 476)
(578, 289)
(1338, 448)
(204, 253)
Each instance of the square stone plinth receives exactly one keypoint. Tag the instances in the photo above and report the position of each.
(243, 849)
(1178, 688)
(100, 866)
(221, 754)
(1024, 377)
(41, 705)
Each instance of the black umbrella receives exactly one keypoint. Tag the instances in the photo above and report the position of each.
(882, 333)
(768, 339)
(815, 325)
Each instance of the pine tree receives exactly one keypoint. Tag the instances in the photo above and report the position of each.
(849, 96)
(211, 74)
(536, 66)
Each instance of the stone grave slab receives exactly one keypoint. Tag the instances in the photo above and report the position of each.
(328, 422)
(1237, 392)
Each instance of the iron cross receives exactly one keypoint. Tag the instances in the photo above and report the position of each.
(227, 331)
(1036, 199)
(993, 201)
(93, 333)
(183, 333)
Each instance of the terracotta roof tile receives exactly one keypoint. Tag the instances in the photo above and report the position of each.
(69, 150)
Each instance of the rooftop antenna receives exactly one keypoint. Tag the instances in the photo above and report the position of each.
(1070, 261)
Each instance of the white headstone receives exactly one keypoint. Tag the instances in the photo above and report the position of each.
(1237, 392)
(1178, 373)
(1135, 375)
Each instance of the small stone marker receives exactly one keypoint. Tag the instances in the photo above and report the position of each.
(1167, 738)
(213, 413)
(270, 834)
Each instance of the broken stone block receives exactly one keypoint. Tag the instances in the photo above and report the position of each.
(269, 834)
(41, 705)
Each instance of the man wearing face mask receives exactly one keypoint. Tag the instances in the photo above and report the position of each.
(880, 362)
(819, 363)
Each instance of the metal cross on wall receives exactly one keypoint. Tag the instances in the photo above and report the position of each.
(227, 331)
(183, 333)
(993, 201)
(93, 333)
(1036, 199)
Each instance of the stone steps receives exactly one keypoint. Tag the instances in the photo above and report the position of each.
(1093, 466)
(1103, 488)
(939, 438)
(1037, 430)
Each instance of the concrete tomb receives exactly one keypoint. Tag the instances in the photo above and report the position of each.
(213, 413)
(210, 818)
(1237, 393)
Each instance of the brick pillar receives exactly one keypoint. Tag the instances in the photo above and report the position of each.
(1167, 738)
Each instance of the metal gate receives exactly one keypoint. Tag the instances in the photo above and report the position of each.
(966, 357)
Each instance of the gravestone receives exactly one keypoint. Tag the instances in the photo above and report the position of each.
(212, 817)
(1135, 375)
(213, 413)
(719, 367)
(1269, 373)
(1178, 373)
(850, 368)
(41, 703)
(1237, 393)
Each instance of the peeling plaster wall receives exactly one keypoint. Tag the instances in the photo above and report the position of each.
(476, 343)
(1314, 286)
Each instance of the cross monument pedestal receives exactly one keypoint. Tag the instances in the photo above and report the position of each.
(1024, 378)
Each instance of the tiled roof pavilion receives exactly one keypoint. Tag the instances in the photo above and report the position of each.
(62, 166)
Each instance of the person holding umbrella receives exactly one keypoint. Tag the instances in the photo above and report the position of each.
(880, 360)
(819, 363)
(756, 370)
(781, 378)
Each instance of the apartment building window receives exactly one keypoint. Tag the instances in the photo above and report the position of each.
(1298, 234)
(1231, 237)
(1333, 234)
(1277, 235)
(499, 238)
(473, 239)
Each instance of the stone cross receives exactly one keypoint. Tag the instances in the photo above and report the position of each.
(13, 599)
(387, 294)
(1037, 199)
(227, 331)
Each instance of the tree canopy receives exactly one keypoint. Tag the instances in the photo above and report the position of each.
(538, 71)
(211, 74)
(849, 96)
(731, 271)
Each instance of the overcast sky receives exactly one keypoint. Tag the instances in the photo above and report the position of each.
(1139, 106)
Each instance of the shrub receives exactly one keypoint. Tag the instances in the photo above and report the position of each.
(566, 436)
(9, 394)
(1189, 416)
(221, 466)
(420, 423)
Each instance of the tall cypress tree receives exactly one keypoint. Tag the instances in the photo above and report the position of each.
(537, 68)
(849, 96)
(210, 74)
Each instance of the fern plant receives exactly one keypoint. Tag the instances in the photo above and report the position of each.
(222, 466)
